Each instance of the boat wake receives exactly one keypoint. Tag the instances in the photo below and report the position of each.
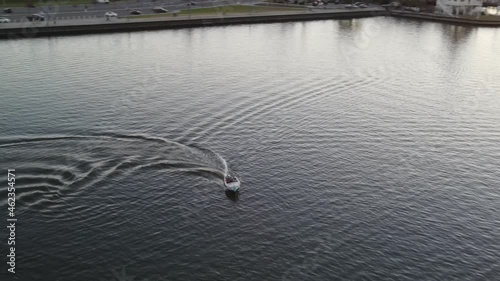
(54, 168)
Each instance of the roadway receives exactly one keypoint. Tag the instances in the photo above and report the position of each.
(92, 13)
(30, 26)
(122, 8)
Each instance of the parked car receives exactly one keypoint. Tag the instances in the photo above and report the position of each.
(31, 5)
(412, 9)
(110, 14)
(102, 1)
(191, 3)
(361, 6)
(160, 10)
(337, 2)
(351, 6)
(319, 3)
(7, 11)
(36, 17)
(136, 13)
(4, 20)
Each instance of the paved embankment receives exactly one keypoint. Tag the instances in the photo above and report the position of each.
(36, 29)
(448, 19)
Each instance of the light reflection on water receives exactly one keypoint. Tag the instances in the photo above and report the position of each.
(367, 148)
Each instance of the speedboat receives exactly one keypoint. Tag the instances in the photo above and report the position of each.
(231, 183)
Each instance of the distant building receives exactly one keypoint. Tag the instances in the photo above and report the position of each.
(459, 7)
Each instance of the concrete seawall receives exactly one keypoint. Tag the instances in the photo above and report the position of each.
(30, 30)
(447, 19)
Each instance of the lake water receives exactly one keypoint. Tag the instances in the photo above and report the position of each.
(368, 149)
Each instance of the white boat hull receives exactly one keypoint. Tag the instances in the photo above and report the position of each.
(233, 186)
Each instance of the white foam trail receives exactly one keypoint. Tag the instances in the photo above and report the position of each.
(223, 163)
(225, 166)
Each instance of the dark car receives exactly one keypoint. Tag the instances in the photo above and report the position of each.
(136, 12)
(191, 3)
(31, 5)
(7, 10)
(36, 17)
(160, 10)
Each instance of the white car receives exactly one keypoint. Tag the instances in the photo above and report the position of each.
(4, 20)
(110, 14)
(159, 10)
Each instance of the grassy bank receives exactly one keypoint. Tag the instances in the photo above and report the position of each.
(232, 9)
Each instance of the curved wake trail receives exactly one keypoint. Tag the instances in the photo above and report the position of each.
(6, 142)
(223, 163)
(219, 157)
(60, 167)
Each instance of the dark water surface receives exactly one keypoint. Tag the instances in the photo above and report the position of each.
(368, 150)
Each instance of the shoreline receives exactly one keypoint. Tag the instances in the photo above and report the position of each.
(445, 19)
(43, 29)
(91, 26)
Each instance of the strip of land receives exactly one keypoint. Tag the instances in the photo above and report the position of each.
(201, 18)
(223, 10)
(491, 21)
(209, 16)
